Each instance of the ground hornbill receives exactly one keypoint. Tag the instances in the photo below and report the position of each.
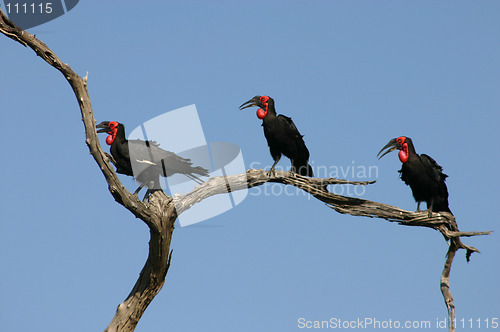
(148, 160)
(282, 136)
(424, 176)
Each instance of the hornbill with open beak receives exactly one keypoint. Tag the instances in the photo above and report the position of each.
(424, 176)
(148, 161)
(282, 136)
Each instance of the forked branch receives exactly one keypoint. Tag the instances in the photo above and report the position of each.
(162, 211)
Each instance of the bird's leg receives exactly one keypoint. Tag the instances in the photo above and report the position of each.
(152, 188)
(293, 171)
(429, 208)
(418, 207)
(138, 189)
(146, 196)
(272, 171)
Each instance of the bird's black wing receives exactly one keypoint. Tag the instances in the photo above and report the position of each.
(170, 162)
(158, 154)
(434, 170)
(142, 151)
(291, 130)
(291, 126)
(147, 152)
(294, 134)
(301, 158)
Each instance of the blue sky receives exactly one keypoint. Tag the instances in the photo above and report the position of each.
(351, 74)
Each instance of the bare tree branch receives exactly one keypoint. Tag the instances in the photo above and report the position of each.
(159, 214)
(445, 285)
(162, 211)
(443, 222)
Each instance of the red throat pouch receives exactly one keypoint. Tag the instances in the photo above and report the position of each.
(261, 114)
(110, 139)
(403, 153)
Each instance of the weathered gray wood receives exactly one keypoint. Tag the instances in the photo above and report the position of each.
(159, 214)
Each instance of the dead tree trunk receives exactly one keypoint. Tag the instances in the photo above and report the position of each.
(162, 211)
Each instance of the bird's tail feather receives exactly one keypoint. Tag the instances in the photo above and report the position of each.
(200, 171)
(303, 169)
(197, 170)
(194, 178)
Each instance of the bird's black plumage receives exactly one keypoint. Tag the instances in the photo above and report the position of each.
(282, 136)
(145, 160)
(422, 173)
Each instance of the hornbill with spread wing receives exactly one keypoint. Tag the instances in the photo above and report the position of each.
(422, 173)
(145, 160)
(282, 136)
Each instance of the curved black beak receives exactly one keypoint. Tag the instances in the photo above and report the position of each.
(392, 145)
(255, 101)
(105, 127)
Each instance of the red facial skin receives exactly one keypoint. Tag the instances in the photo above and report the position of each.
(112, 134)
(261, 114)
(403, 151)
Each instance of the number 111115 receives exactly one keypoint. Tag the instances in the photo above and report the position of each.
(25, 8)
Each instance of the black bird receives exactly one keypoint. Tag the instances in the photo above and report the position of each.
(148, 160)
(282, 136)
(424, 176)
